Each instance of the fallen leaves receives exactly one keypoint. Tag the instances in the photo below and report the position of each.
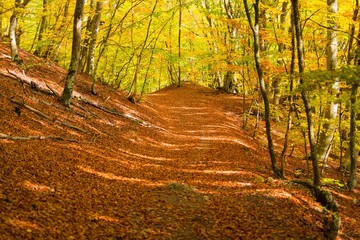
(178, 166)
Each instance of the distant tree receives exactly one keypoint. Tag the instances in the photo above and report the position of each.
(179, 42)
(1, 18)
(76, 43)
(133, 94)
(232, 10)
(255, 30)
(13, 27)
(92, 45)
(42, 28)
(353, 151)
(304, 91)
(58, 32)
(329, 126)
(352, 145)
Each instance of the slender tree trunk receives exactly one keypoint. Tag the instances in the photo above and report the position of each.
(75, 54)
(111, 27)
(92, 45)
(84, 53)
(329, 127)
(263, 25)
(179, 42)
(42, 28)
(350, 56)
(304, 93)
(276, 84)
(1, 18)
(13, 26)
(228, 81)
(255, 30)
(284, 12)
(14, 41)
(132, 95)
(354, 153)
(291, 98)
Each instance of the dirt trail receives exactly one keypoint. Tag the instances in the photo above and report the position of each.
(176, 166)
(186, 170)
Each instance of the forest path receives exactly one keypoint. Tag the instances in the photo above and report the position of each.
(177, 166)
(210, 173)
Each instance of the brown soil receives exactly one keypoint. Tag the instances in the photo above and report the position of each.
(176, 166)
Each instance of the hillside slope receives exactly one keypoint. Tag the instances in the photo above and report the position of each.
(177, 166)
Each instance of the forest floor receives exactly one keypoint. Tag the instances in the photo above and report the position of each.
(178, 165)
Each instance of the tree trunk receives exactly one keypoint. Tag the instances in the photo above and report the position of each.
(55, 42)
(304, 94)
(1, 18)
(179, 43)
(291, 99)
(228, 81)
(84, 52)
(42, 29)
(284, 12)
(92, 45)
(12, 31)
(111, 26)
(255, 30)
(13, 26)
(329, 127)
(350, 56)
(132, 95)
(75, 53)
(263, 25)
(354, 153)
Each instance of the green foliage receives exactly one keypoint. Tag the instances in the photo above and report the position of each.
(332, 182)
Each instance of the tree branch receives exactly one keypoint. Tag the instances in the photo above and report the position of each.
(5, 136)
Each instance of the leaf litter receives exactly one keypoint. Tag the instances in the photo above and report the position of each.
(177, 166)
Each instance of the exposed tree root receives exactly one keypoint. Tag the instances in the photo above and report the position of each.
(85, 110)
(48, 90)
(327, 200)
(23, 105)
(24, 80)
(5, 136)
(103, 108)
(60, 107)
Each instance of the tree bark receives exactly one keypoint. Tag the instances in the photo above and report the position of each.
(179, 43)
(71, 76)
(12, 31)
(354, 153)
(1, 18)
(351, 56)
(42, 28)
(304, 93)
(92, 45)
(84, 52)
(329, 127)
(13, 26)
(255, 30)
(291, 97)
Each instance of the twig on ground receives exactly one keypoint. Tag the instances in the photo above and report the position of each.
(24, 81)
(105, 109)
(31, 109)
(21, 104)
(19, 79)
(5, 136)
(52, 90)
(84, 109)
(328, 201)
(3, 56)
